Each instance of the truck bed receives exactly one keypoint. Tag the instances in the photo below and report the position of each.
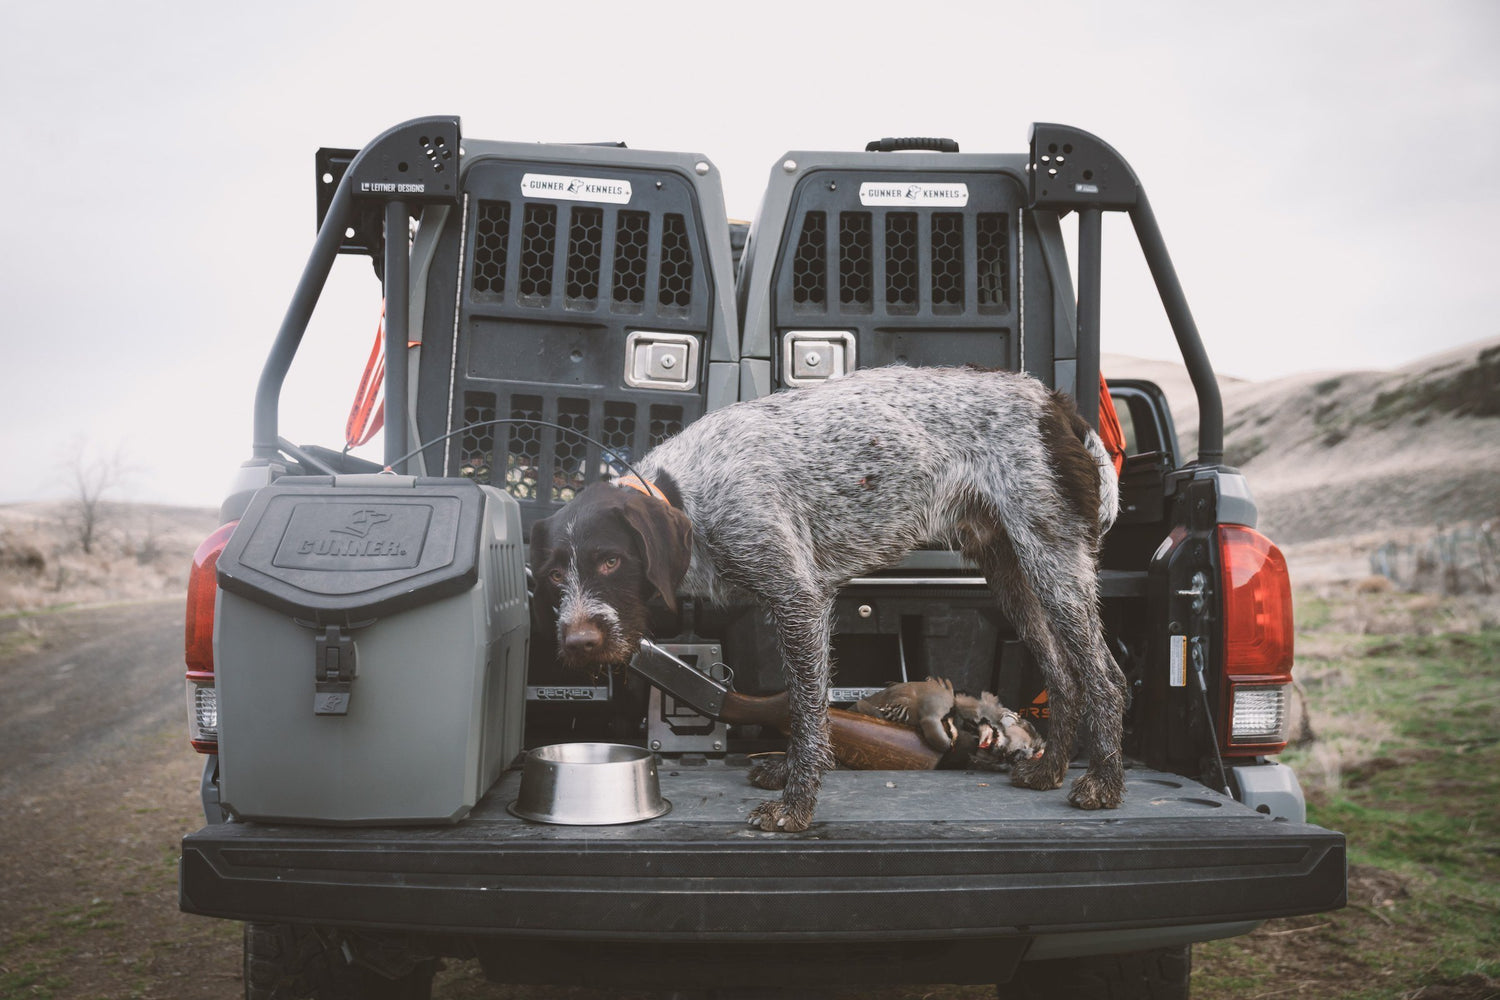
(877, 865)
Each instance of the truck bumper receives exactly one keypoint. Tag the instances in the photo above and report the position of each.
(1002, 862)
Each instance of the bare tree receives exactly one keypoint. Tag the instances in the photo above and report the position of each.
(93, 476)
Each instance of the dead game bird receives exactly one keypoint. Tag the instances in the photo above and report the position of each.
(994, 736)
(926, 706)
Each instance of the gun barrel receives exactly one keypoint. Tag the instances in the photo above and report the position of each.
(861, 742)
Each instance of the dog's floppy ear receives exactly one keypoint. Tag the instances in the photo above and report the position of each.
(541, 551)
(666, 537)
(541, 544)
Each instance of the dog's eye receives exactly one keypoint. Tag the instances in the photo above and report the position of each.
(556, 576)
(609, 565)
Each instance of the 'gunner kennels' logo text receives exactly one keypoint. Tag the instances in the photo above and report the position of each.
(614, 192)
(908, 193)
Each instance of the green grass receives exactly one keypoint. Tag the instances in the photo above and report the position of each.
(20, 641)
(1312, 611)
(31, 981)
(84, 918)
(1420, 808)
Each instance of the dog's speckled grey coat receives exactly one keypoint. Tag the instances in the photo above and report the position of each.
(793, 494)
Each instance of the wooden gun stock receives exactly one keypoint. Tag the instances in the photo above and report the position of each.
(860, 742)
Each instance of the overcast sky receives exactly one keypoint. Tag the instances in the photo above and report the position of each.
(1324, 173)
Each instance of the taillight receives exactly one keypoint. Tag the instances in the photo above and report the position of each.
(198, 641)
(1257, 642)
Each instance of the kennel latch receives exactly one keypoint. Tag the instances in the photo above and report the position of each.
(335, 656)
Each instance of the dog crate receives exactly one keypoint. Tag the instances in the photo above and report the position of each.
(925, 257)
(371, 644)
(583, 296)
(911, 252)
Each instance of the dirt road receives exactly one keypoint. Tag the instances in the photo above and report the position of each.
(91, 680)
(97, 786)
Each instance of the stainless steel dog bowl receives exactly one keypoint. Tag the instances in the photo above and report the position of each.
(589, 784)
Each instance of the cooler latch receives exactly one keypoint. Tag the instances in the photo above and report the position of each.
(333, 671)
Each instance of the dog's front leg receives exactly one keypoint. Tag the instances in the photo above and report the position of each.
(804, 625)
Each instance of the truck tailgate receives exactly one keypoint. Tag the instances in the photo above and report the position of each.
(909, 854)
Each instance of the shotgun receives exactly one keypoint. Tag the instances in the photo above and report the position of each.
(860, 742)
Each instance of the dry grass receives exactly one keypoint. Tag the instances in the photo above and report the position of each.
(142, 552)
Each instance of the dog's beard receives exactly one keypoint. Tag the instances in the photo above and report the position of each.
(581, 611)
(620, 638)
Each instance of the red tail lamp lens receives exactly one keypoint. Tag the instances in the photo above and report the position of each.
(198, 642)
(1258, 635)
(203, 587)
(1257, 605)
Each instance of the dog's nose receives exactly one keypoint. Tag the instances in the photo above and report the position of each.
(583, 639)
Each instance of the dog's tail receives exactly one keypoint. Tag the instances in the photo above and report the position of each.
(1109, 480)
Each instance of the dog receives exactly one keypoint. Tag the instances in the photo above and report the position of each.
(787, 497)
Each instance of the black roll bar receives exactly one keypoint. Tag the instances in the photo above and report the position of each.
(414, 163)
(294, 324)
(1090, 248)
(1210, 403)
(1072, 170)
(396, 275)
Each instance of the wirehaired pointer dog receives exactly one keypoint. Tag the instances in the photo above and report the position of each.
(787, 497)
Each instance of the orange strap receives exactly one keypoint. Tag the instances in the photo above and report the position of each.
(1109, 426)
(645, 486)
(361, 425)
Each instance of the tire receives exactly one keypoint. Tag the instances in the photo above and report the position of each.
(288, 962)
(1159, 974)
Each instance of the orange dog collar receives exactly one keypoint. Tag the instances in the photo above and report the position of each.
(645, 486)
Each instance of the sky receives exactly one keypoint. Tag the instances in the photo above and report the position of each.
(1324, 174)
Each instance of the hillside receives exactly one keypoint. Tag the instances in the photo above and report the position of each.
(141, 552)
(1333, 454)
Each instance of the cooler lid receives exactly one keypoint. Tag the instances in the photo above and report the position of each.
(342, 548)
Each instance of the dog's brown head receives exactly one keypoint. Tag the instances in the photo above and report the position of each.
(598, 562)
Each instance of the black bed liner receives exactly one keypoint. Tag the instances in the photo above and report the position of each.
(876, 865)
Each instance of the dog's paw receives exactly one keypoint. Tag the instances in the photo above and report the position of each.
(1093, 791)
(1041, 773)
(769, 773)
(776, 817)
